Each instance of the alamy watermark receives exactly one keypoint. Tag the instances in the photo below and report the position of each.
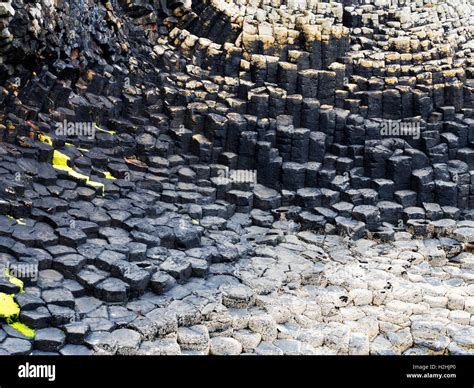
(21, 270)
(394, 128)
(237, 176)
(33, 371)
(77, 128)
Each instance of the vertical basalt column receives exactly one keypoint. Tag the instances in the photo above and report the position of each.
(327, 87)
(287, 76)
(293, 176)
(310, 113)
(277, 101)
(327, 122)
(232, 61)
(284, 132)
(293, 108)
(215, 128)
(399, 170)
(300, 145)
(6, 15)
(258, 105)
(273, 170)
(317, 146)
(247, 150)
(195, 116)
(453, 95)
(265, 172)
(469, 94)
(307, 84)
(391, 104)
(236, 124)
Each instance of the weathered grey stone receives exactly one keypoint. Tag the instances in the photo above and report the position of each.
(128, 341)
(223, 346)
(193, 338)
(265, 325)
(49, 339)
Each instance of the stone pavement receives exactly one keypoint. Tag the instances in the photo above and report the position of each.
(301, 293)
(270, 177)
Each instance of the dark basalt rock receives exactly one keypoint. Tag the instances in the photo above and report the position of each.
(112, 290)
(37, 318)
(69, 265)
(49, 340)
(28, 301)
(59, 296)
(145, 144)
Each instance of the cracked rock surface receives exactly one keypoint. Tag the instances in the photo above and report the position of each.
(212, 177)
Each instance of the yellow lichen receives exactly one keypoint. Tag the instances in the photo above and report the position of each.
(8, 308)
(104, 130)
(108, 175)
(45, 139)
(60, 162)
(23, 329)
(19, 221)
(77, 148)
(14, 280)
(10, 311)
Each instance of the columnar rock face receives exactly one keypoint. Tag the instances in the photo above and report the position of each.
(6, 14)
(225, 177)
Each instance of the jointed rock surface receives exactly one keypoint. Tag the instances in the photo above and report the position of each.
(226, 177)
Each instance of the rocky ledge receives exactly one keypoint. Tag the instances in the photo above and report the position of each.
(222, 177)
